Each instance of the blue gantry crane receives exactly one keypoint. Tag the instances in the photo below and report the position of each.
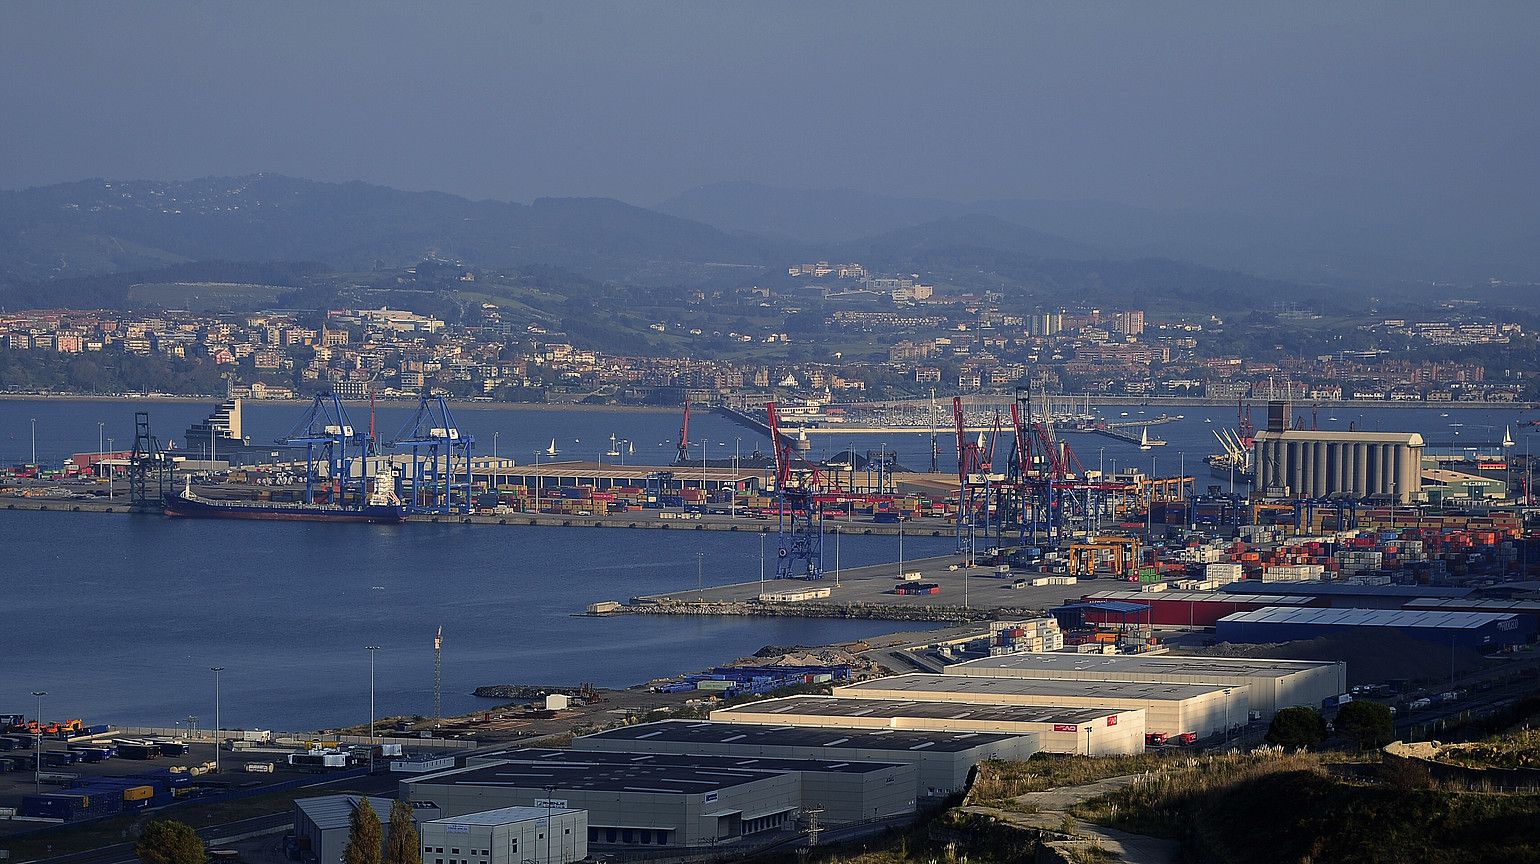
(329, 438)
(438, 478)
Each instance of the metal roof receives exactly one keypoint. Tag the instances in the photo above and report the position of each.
(1475, 605)
(1411, 439)
(1138, 666)
(717, 732)
(1197, 597)
(853, 706)
(503, 816)
(336, 811)
(918, 685)
(1400, 618)
(1106, 606)
(1323, 588)
(604, 771)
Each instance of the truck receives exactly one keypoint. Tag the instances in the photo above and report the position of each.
(1152, 739)
(1187, 738)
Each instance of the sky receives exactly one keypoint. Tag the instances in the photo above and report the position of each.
(1359, 109)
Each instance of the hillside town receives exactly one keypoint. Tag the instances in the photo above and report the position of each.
(833, 332)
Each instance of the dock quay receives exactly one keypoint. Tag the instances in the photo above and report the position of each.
(963, 595)
(640, 520)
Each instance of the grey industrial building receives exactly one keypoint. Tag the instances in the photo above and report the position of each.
(942, 760)
(639, 799)
(1478, 631)
(1174, 709)
(1300, 463)
(509, 835)
(321, 824)
(1086, 731)
(1270, 684)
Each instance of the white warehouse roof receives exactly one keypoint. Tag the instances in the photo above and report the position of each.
(1368, 618)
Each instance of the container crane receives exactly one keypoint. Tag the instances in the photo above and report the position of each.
(330, 439)
(799, 521)
(439, 451)
(684, 437)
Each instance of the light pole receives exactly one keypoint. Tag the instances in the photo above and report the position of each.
(537, 481)
(836, 555)
(495, 463)
(900, 545)
(100, 450)
(371, 649)
(34, 441)
(216, 670)
(37, 762)
(109, 474)
(733, 506)
(1227, 718)
(549, 802)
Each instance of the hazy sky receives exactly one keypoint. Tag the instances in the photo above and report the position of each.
(1357, 107)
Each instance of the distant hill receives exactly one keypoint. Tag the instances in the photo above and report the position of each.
(99, 226)
(1326, 248)
(90, 241)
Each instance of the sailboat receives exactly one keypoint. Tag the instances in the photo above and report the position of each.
(551, 450)
(1146, 442)
(1507, 437)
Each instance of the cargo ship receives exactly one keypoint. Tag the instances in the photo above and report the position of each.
(383, 506)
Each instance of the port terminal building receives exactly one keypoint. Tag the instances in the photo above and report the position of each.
(642, 800)
(1169, 708)
(1269, 684)
(1085, 731)
(942, 760)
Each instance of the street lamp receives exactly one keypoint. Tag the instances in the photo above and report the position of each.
(495, 463)
(37, 762)
(549, 803)
(837, 555)
(700, 579)
(216, 670)
(371, 649)
(761, 562)
(109, 473)
(34, 441)
(1227, 718)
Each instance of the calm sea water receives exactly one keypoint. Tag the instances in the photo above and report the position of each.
(119, 618)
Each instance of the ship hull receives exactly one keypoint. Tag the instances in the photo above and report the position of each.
(177, 504)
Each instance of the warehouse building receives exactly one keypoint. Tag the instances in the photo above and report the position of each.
(942, 760)
(321, 824)
(509, 835)
(1480, 631)
(673, 800)
(1184, 608)
(1270, 684)
(1342, 595)
(1086, 731)
(1169, 708)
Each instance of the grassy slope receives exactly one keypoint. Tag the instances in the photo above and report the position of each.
(1289, 809)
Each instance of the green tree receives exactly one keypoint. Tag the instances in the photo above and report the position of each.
(167, 841)
(1368, 724)
(363, 835)
(402, 845)
(1300, 726)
